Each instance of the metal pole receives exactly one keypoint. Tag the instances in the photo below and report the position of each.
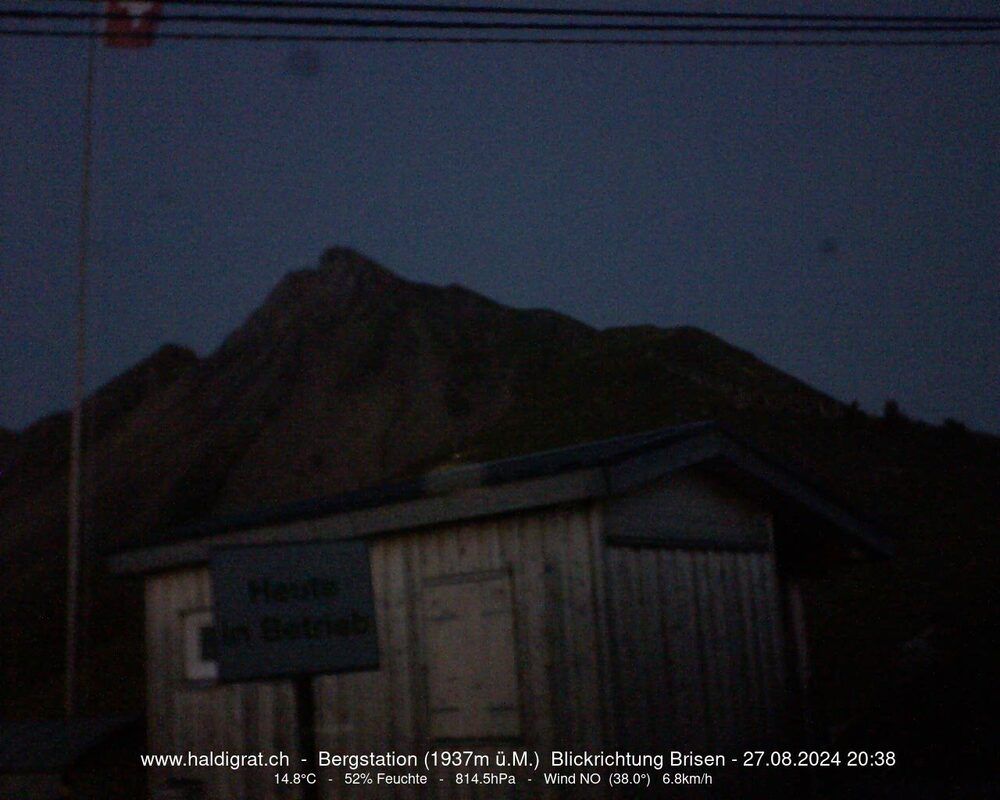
(74, 549)
(305, 721)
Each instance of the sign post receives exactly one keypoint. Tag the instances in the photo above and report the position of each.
(292, 611)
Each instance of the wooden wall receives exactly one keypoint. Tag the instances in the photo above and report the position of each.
(697, 633)
(690, 510)
(698, 650)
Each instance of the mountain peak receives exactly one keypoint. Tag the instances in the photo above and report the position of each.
(341, 279)
(343, 265)
(340, 275)
(346, 259)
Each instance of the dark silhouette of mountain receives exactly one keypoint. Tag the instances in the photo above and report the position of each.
(349, 375)
(8, 443)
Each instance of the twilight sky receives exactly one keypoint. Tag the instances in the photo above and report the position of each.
(833, 211)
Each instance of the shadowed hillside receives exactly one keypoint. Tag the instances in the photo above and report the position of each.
(348, 375)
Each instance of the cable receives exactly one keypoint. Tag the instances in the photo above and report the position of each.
(408, 24)
(478, 40)
(327, 5)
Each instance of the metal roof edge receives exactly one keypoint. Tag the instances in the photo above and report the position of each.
(804, 492)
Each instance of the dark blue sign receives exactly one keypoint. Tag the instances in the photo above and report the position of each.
(293, 609)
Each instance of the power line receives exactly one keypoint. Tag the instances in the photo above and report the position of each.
(329, 5)
(563, 27)
(56, 33)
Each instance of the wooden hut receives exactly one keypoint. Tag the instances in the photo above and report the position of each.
(631, 595)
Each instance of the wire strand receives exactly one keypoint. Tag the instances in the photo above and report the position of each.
(333, 5)
(566, 27)
(55, 33)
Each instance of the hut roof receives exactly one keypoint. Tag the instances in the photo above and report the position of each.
(604, 468)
